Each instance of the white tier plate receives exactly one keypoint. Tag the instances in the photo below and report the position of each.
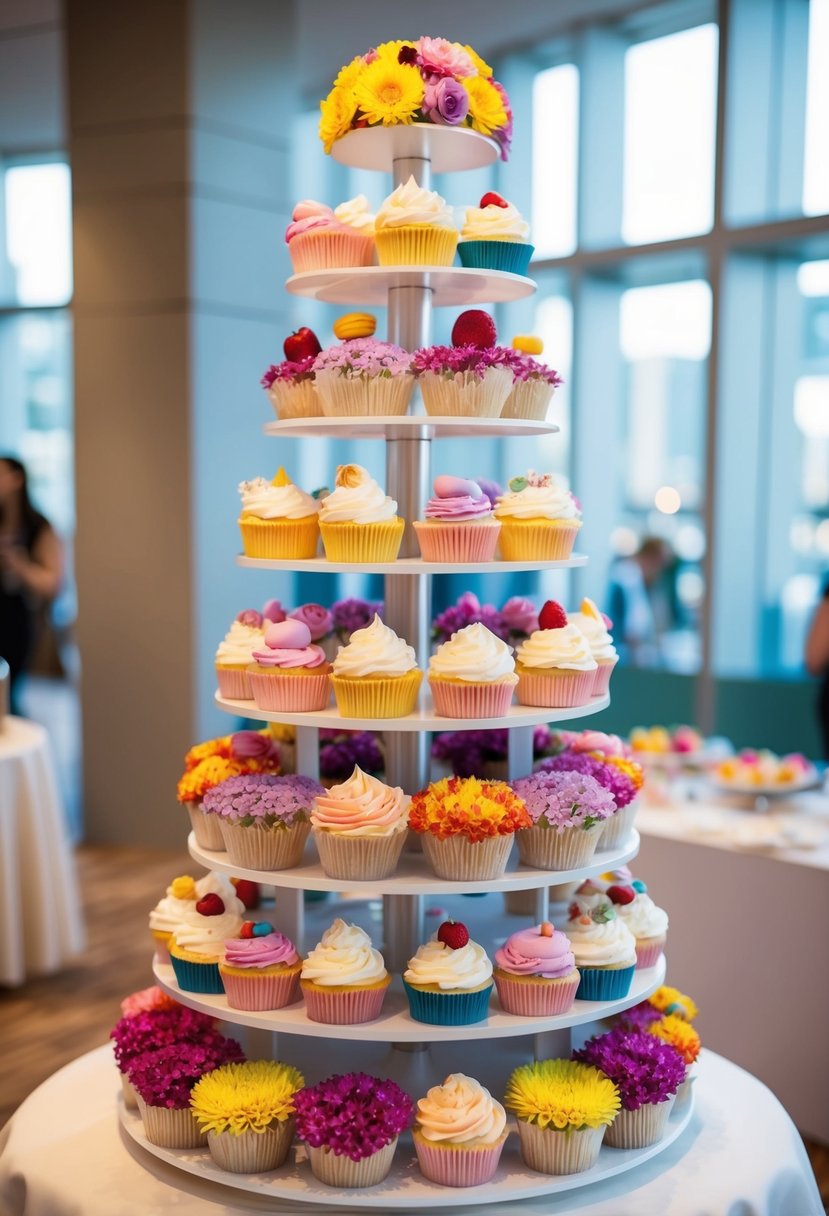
(396, 1025)
(421, 720)
(405, 565)
(407, 426)
(413, 875)
(451, 286)
(405, 1187)
(449, 149)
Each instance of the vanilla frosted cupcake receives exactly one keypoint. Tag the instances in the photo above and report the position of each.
(555, 667)
(278, 519)
(495, 236)
(359, 827)
(459, 1132)
(358, 521)
(472, 675)
(539, 519)
(235, 652)
(344, 979)
(647, 922)
(198, 940)
(415, 227)
(603, 946)
(449, 984)
(594, 626)
(376, 674)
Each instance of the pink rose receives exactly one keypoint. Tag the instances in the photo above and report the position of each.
(598, 741)
(250, 617)
(251, 745)
(318, 619)
(439, 57)
(274, 612)
(469, 602)
(520, 615)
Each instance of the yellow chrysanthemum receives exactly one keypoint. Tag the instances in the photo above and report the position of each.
(197, 781)
(486, 106)
(390, 50)
(671, 1001)
(246, 1097)
(282, 733)
(389, 92)
(680, 1034)
(336, 115)
(467, 806)
(481, 65)
(562, 1094)
(349, 73)
(201, 751)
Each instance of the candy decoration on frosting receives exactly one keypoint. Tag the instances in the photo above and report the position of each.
(302, 344)
(621, 895)
(247, 928)
(453, 934)
(210, 904)
(281, 478)
(474, 328)
(350, 476)
(552, 616)
(527, 344)
(250, 617)
(354, 325)
(273, 611)
(457, 487)
(183, 887)
(639, 887)
(289, 634)
(517, 484)
(492, 199)
(247, 891)
(545, 929)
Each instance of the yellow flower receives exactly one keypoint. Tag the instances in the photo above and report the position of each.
(481, 65)
(680, 1034)
(390, 50)
(336, 115)
(201, 751)
(562, 1094)
(389, 92)
(349, 73)
(486, 107)
(183, 887)
(282, 733)
(672, 1001)
(246, 1097)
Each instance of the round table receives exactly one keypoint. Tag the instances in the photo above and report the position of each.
(63, 1153)
(40, 912)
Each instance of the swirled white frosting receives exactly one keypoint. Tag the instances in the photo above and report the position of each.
(208, 934)
(460, 1110)
(493, 223)
(436, 963)
(643, 917)
(537, 502)
(364, 503)
(566, 647)
(474, 654)
(355, 213)
(344, 955)
(267, 501)
(589, 621)
(238, 644)
(610, 944)
(375, 650)
(411, 204)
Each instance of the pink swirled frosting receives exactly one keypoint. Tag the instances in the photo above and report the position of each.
(308, 215)
(288, 644)
(272, 950)
(361, 806)
(462, 507)
(529, 952)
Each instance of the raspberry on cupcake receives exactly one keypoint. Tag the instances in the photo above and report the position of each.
(554, 665)
(448, 981)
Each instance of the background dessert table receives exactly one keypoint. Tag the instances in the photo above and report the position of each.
(63, 1153)
(40, 917)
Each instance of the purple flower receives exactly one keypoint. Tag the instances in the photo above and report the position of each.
(318, 619)
(341, 750)
(450, 360)
(274, 612)
(156, 1028)
(261, 798)
(164, 1077)
(252, 745)
(520, 616)
(639, 1018)
(468, 610)
(564, 800)
(446, 102)
(353, 614)
(503, 136)
(301, 370)
(250, 617)
(644, 1068)
(491, 488)
(363, 358)
(617, 782)
(353, 1115)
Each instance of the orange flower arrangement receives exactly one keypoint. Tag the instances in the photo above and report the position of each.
(468, 807)
(208, 772)
(680, 1034)
(629, 767)
(202, 751)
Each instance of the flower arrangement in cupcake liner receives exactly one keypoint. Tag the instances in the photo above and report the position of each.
(645, 1070)
(247, 1097)
(341, 750)
(364, 358)
(151, 1029)
(352, 614)
(449, 361)
(353, 1115)
(596, 743)
(680, 1034)
(562, 1094)
(559, 801)
(468, 807)
(246, 751)
(166, 1076)
(420, 80)
(263, 799)
(670, 1000)
(618, 783)
(468, 751)
(289, 370)
(145, 1001)
(525, 367)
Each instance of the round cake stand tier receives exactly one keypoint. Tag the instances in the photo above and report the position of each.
(413, 875)
(448, 149)
(448, 286)
(421, 720)
(410, 565)
(405, 1188)
(407, 426)
(395, 1024)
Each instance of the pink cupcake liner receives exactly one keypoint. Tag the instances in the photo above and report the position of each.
(648, 950)
(359, 858)
(601, 677)
(470, 700)
(344, 1008)
(262, 848)
(463, 860)
(259, 992)
(617, 828)
(455, 1165)
(233, 684)
(292, 694)
(555, 690)
(540, 998)
(550, 1151)
(639, 1128)
(457, 542)
(547, 849)
(341, 1171)
(252, 1152)
(330, 250)
(205, 828)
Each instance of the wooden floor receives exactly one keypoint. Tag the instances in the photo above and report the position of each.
(50, 1021)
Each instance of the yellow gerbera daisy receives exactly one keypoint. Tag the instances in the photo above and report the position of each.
(349, 73)
(486, 107)
(336, 114)
(481, 65)
(562, 1094)
(389, 92)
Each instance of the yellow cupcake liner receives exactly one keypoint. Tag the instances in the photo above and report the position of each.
(375, 397)
(351, 542)
(377, 696)
(416, 245)
(544, 540)
(295, 399)
(529, 399)
(279, 539)
(466, 395)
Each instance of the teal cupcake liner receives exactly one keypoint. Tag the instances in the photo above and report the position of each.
(197, 977)
(602, 984)
(513, 256)
(448, 1008)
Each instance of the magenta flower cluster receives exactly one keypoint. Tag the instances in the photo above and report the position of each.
(166, 1076)
(155, 1028)
(468, 610)
(449, 360)
(640, 1017)
(608, 775)
(303, 369)
(364, 358)
(564, 800)
(352, 614)
(340, 750)
(354, 1115)
(467, 752)
(263, 799)
(645, 1069)
(525, 367)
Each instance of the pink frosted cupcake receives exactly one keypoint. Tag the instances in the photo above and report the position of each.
(535, 972)
(344, 979)
(555, 667)
(472, 675)
(360, 827)
(235, 654)
(318, 240)
(596, 629)
(289, 672)
(459, 524)
(260, 969)
(459, 1132)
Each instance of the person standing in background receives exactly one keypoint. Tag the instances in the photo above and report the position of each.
(639, 602)
(31, 571)
(817, 664)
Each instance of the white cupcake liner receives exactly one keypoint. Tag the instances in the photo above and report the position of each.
(377, 396)
(547, 849)
(639, 1128)
(252, 1152)
(465, 393)
(171, 1128)
(617, 828)
(337, 1171)
(262, 848)
(295, 399)
(529, 399)
(463, 860)
(550, 1151)
(206, 828)
(358, 858)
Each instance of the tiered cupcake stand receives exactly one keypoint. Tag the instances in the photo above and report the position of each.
(395, 1045)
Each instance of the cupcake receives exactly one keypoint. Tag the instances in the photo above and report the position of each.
(464, 381)
(554, 666)
(595, 628)
(535, 972)
(359, 827)
(563, 1109)
(198, 940)
(604, 947)
(278, 520)
(290, 387)
(670, 1002)
(358, 522)
(260, 969)
(568, 811)
(618, 775)
(344, 979)
(533, 385)
(234, 654)
(448, 981)
(472, 675)
(459, 1132)
(264, 820)
(376, 674)
(208, 764)
(467, 826)
(364, 378)
(647, 1074)
(247, 1112)
(680, 1034)
(179, 898)
(288, 671)
(647, 922)
(320, 621)
(164, 1079)
(540, 520)
(459, 524)
(415, 227)
(317, 239)
(494, 236)
(350, 1125)
(147, 1027)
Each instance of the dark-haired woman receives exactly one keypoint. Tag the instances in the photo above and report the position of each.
(31, 569)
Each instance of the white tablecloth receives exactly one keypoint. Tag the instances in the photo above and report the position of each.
(62, 1154)
(40, 916)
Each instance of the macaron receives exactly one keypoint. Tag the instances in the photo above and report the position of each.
(288, 635)
(456, 487)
